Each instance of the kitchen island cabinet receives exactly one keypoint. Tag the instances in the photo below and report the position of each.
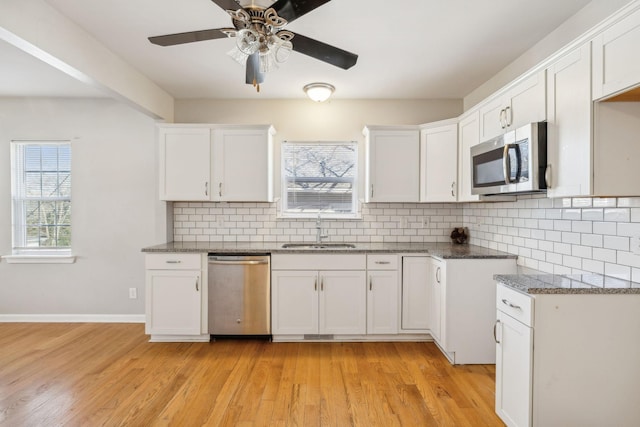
(567, 351)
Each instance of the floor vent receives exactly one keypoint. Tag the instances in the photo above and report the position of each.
(317, 337)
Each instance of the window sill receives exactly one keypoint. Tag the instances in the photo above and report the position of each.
(39, 259)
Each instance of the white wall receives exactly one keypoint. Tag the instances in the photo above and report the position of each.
(571, 29)
(115, 211)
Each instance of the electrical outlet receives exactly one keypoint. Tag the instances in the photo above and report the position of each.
(635, 244)
(133, 293)
(219, 222)
(425, 222)
(404, 222)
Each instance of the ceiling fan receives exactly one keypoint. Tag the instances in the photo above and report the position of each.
(261, 41)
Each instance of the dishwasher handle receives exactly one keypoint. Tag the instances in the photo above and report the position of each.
(237, 262)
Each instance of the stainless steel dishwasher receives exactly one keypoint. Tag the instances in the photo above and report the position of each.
(239, 294)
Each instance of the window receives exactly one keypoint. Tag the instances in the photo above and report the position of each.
(41, 198)
(319, 177)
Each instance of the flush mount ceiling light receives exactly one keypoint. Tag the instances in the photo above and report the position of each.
(261, 41)
(319, 92)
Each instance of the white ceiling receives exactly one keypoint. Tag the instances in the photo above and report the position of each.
(407, 49)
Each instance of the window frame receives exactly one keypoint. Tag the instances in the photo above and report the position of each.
(355, 212)
(20, 251)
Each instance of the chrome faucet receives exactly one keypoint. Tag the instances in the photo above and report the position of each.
(319, 235)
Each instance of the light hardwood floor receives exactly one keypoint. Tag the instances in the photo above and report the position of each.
(108, 374)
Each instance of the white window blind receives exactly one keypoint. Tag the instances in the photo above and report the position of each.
(319, 177)
(41, 196)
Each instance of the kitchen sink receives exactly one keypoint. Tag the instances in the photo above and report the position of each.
(318, 246)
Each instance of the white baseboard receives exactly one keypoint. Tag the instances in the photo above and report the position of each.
(72, 318)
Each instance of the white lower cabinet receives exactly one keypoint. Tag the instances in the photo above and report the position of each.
(513, 371)
(461, 301)
(382, 294)
(327, 300)
(415, 293)
(175, 297)
(567, 359)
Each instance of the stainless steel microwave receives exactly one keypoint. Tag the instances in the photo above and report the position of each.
(514, 162)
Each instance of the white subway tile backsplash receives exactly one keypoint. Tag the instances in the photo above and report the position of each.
(549, 235)
(619, 215)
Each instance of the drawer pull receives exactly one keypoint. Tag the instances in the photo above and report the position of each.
(197, 284)
(495, 337)
(173, 262)
(506, 302)
(383, 262)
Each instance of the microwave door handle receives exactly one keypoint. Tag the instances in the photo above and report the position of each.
(506, 164)
(519, 160)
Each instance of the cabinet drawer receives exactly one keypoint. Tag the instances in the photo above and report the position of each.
(382, 262)
(173, 261)
(515, 304)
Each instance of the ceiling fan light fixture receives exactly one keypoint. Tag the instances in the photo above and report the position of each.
(319, 92)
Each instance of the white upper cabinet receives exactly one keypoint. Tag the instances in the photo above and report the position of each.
(616, 63)
(185, 171)
(242, 164)
(393, 164)
(216, 163)
(468, 136)
(569, 136)
(439, 161)
(522, 103)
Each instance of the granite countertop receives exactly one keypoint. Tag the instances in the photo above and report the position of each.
(568, 284)
(440, 250)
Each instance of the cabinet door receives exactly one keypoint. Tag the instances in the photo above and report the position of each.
(569, 135)
(514, 363)
(294, 302)
(382, 302)
(439, 151)
(522, 103)
(616, 64)
(492, 121)
(242, 161)
(185, 168)
(415, 293)
(468, 136)
(173, 302)
(435, 312)
(343, 302)
(393, 166)
(526, 101)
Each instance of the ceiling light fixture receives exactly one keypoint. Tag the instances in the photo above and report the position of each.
(319, 92)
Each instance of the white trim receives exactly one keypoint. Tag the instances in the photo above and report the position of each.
(39, 259)
(72, 318)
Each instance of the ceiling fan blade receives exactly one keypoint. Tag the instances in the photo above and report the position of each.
(253, 74)
(324, 52)
(294, 9)
(188, 37)
(228, 4)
